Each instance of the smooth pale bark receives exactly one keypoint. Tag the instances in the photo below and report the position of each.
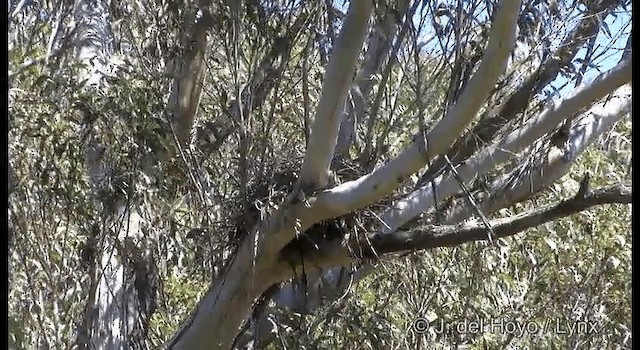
(423, 199)
(582, 134)
(370, 188)
(434, 236)
(494, 62)
(379, 45)
(122, 319)
(217, 319)
(339, 75)
(237, 294)
(256, 266)
(518, 101)
(368, 153)
(520, 184)
(92, 39)
(596, 121)
(383, 181)
(219, 315)
(377, 50)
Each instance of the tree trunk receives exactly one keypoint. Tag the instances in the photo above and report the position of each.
(218, 317)
(123, 287)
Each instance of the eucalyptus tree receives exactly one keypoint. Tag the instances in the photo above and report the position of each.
(281, 150)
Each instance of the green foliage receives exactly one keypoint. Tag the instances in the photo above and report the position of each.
(189, 199)
(180, 297)
(571, 273)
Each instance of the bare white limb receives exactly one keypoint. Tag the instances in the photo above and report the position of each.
(378, 49)
(384, 180)
(519, 185)
(334, 92)
(423, 198)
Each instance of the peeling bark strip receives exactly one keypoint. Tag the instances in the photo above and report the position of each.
(338, 79)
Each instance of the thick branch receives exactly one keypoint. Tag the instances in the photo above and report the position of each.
(289, 295)
(433, 236)
(521, 183)
(510, 189)
(516, 103)
(446, 236)
(477, 90)
(423, 199)
(219, 314)
(383, 181)
(334, 91)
